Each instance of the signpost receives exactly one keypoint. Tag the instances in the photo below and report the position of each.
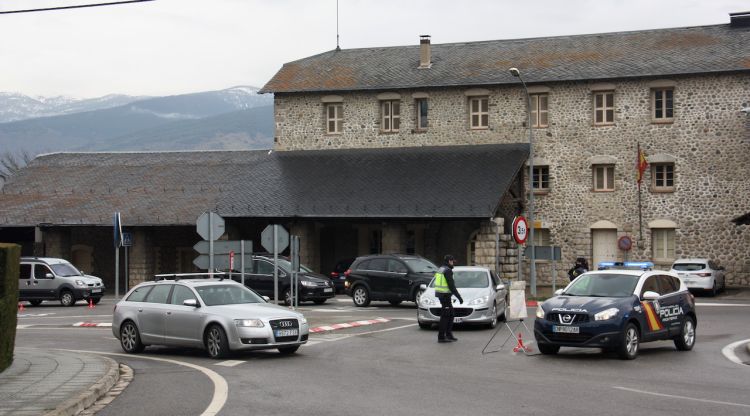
(117, 225)
(211, 227)
(127, 241)
(275, 238)
(520, 233)
(223, 250)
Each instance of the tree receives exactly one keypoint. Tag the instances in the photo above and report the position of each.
(10, 163)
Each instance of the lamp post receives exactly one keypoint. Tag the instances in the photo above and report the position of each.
(532, 268)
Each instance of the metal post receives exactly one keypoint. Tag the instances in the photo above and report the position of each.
(242, 262)
(210, 245)
(275, 266)
(127, 272)
(117, 273)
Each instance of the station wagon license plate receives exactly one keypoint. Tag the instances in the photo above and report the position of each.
(285, 332)
(565, 329)
(328, 290)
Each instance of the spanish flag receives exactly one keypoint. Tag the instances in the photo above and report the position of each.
(641, 164)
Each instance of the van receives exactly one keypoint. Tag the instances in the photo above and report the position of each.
(46, 278)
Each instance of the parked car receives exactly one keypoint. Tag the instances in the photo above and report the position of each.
(617, 310)
(700, 274)
(216, 314)
(46, 278)
(485, 299)
(312, 286)
(391, 277)
(338, 275)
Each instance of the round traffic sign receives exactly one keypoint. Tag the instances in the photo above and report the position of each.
(520, 229)
(625, 243)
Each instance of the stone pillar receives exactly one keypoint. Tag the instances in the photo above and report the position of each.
(394, 238)
(491, 242)
(141, 258)
(57, 242)
(309, 238)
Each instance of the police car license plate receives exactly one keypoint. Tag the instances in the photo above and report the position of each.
(95, 290)
(565, 329)
(457, 320)
(285, 332)
(327, 290)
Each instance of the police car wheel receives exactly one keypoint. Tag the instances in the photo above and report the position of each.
(686, 340)
(548, 348)
(630, 343)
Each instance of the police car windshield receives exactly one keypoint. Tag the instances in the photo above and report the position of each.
(603, 285)
(227, 295)
(421, 265)
(65, 270)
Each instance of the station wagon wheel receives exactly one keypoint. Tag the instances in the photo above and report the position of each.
(628, 348)
(361, 296)
(130, 339)
(216, 342)
(493, 322)
(66, 298)
(686, 340)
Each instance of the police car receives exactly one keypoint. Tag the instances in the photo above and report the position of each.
(616, 308)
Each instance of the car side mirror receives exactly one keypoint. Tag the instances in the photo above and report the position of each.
(191, 302)
(500, 287)
(559, 292)
(266, 298)
(650, 295)
(49, 276)
(423, 287)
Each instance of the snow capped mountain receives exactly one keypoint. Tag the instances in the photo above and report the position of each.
(15, 106)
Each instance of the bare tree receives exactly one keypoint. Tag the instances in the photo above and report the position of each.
(10, 163)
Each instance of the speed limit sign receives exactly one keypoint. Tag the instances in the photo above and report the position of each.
(520, 229)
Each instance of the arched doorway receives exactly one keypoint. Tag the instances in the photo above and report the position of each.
(603, 242)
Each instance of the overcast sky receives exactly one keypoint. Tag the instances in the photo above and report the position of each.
(170, 47)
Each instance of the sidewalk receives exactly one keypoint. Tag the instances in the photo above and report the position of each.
(54, 383)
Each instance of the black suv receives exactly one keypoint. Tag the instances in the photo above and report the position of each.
(259, 277)
(391, 277)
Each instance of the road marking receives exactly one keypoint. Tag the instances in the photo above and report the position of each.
(348, 325)
(728, 351)
(221, 388)
(230, 363)
(723, 304)
(681, 397)
(92, 324)
(343, 337)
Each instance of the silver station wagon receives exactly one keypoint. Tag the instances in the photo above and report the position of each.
(216, 314)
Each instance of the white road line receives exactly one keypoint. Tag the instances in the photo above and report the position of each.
(230, 363)
(728, 351)
(221, 389)
(745, 305)
(681, 397)
(342, 337)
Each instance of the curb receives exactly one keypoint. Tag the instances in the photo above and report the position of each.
(88, 397)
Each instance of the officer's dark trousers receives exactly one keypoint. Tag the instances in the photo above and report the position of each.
(445, 329)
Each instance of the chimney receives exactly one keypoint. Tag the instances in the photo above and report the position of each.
(424, 51)
(741, 19)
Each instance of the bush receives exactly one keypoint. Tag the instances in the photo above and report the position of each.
(9, 264)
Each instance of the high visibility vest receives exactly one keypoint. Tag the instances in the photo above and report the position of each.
(441, 283)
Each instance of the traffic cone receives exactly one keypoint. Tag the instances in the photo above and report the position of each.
(20, 307)
(520, 346)
(91, 303)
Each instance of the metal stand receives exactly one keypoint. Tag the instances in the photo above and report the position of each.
(520, 346)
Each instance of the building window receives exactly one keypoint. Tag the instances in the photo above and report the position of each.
(662, 244)
(604, 178)
(539, 112)
(479, 112)
(334, 118)
(662, 177)
(541, 178)
(390, 112)
(421, 107)
(604, 108)
(662, 101)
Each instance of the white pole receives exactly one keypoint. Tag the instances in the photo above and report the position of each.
(242, 262)
(275, 267)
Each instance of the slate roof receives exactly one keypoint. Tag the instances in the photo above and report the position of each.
(174, 188)
(660, 52)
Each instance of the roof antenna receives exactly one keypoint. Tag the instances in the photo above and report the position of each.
(338, 48)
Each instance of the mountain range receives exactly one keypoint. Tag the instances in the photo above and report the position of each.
(234, 118)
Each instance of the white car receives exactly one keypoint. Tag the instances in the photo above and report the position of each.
(484, 295)
(700, 274)
(219, 315)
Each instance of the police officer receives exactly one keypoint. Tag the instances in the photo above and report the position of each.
(445, 287)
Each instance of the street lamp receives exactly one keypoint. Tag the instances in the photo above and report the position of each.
(532, 268)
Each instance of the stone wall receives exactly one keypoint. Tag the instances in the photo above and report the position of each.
(708, 140)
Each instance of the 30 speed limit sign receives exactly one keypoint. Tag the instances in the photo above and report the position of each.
(520, 229)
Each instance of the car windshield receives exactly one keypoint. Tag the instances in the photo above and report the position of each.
(468, 279)
(65, 270)
(227, 295)
(688, 267)
(420, 265)
(603, 285)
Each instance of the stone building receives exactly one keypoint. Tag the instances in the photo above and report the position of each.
(422, 148)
